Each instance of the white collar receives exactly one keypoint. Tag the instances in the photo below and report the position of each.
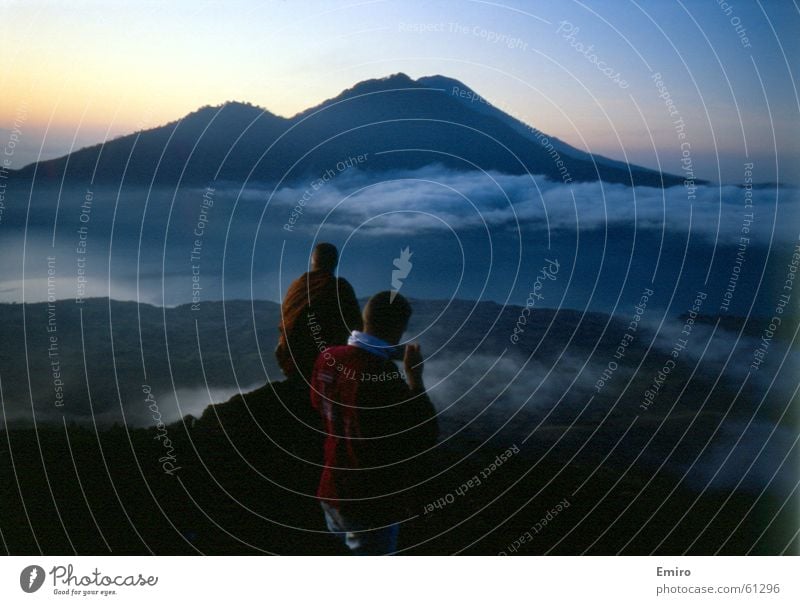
(373, 344)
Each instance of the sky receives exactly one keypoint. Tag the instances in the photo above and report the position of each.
(74, 73)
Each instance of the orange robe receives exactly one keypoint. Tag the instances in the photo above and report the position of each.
(318, 311)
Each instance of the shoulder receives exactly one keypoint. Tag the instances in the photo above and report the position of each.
(343, 283)
(342, 351)
(299, 282)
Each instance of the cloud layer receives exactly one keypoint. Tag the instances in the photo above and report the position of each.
(434, 198)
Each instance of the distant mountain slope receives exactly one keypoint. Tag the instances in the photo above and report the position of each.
(117, 346)
(399, 123)
(106, 350)
(222, 345)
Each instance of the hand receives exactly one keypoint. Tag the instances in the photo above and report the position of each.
(414, 364)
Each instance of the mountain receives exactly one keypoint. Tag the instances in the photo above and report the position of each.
(396, 122)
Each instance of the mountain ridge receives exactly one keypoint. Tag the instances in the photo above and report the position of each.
(400, 122)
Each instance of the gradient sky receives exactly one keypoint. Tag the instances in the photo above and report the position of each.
(80, 71)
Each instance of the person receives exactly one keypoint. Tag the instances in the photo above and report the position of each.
(376, 427)
(318, 311)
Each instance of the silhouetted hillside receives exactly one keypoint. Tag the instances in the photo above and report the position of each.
(242, 479)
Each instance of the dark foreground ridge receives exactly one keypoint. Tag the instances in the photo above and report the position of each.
(240, 480)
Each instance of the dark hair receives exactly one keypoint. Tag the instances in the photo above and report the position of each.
(325, 256)
(387, 312)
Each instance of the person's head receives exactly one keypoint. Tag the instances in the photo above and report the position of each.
(387, 317)
(324, 258)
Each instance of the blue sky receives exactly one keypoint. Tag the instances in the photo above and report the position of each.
(84, 70)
